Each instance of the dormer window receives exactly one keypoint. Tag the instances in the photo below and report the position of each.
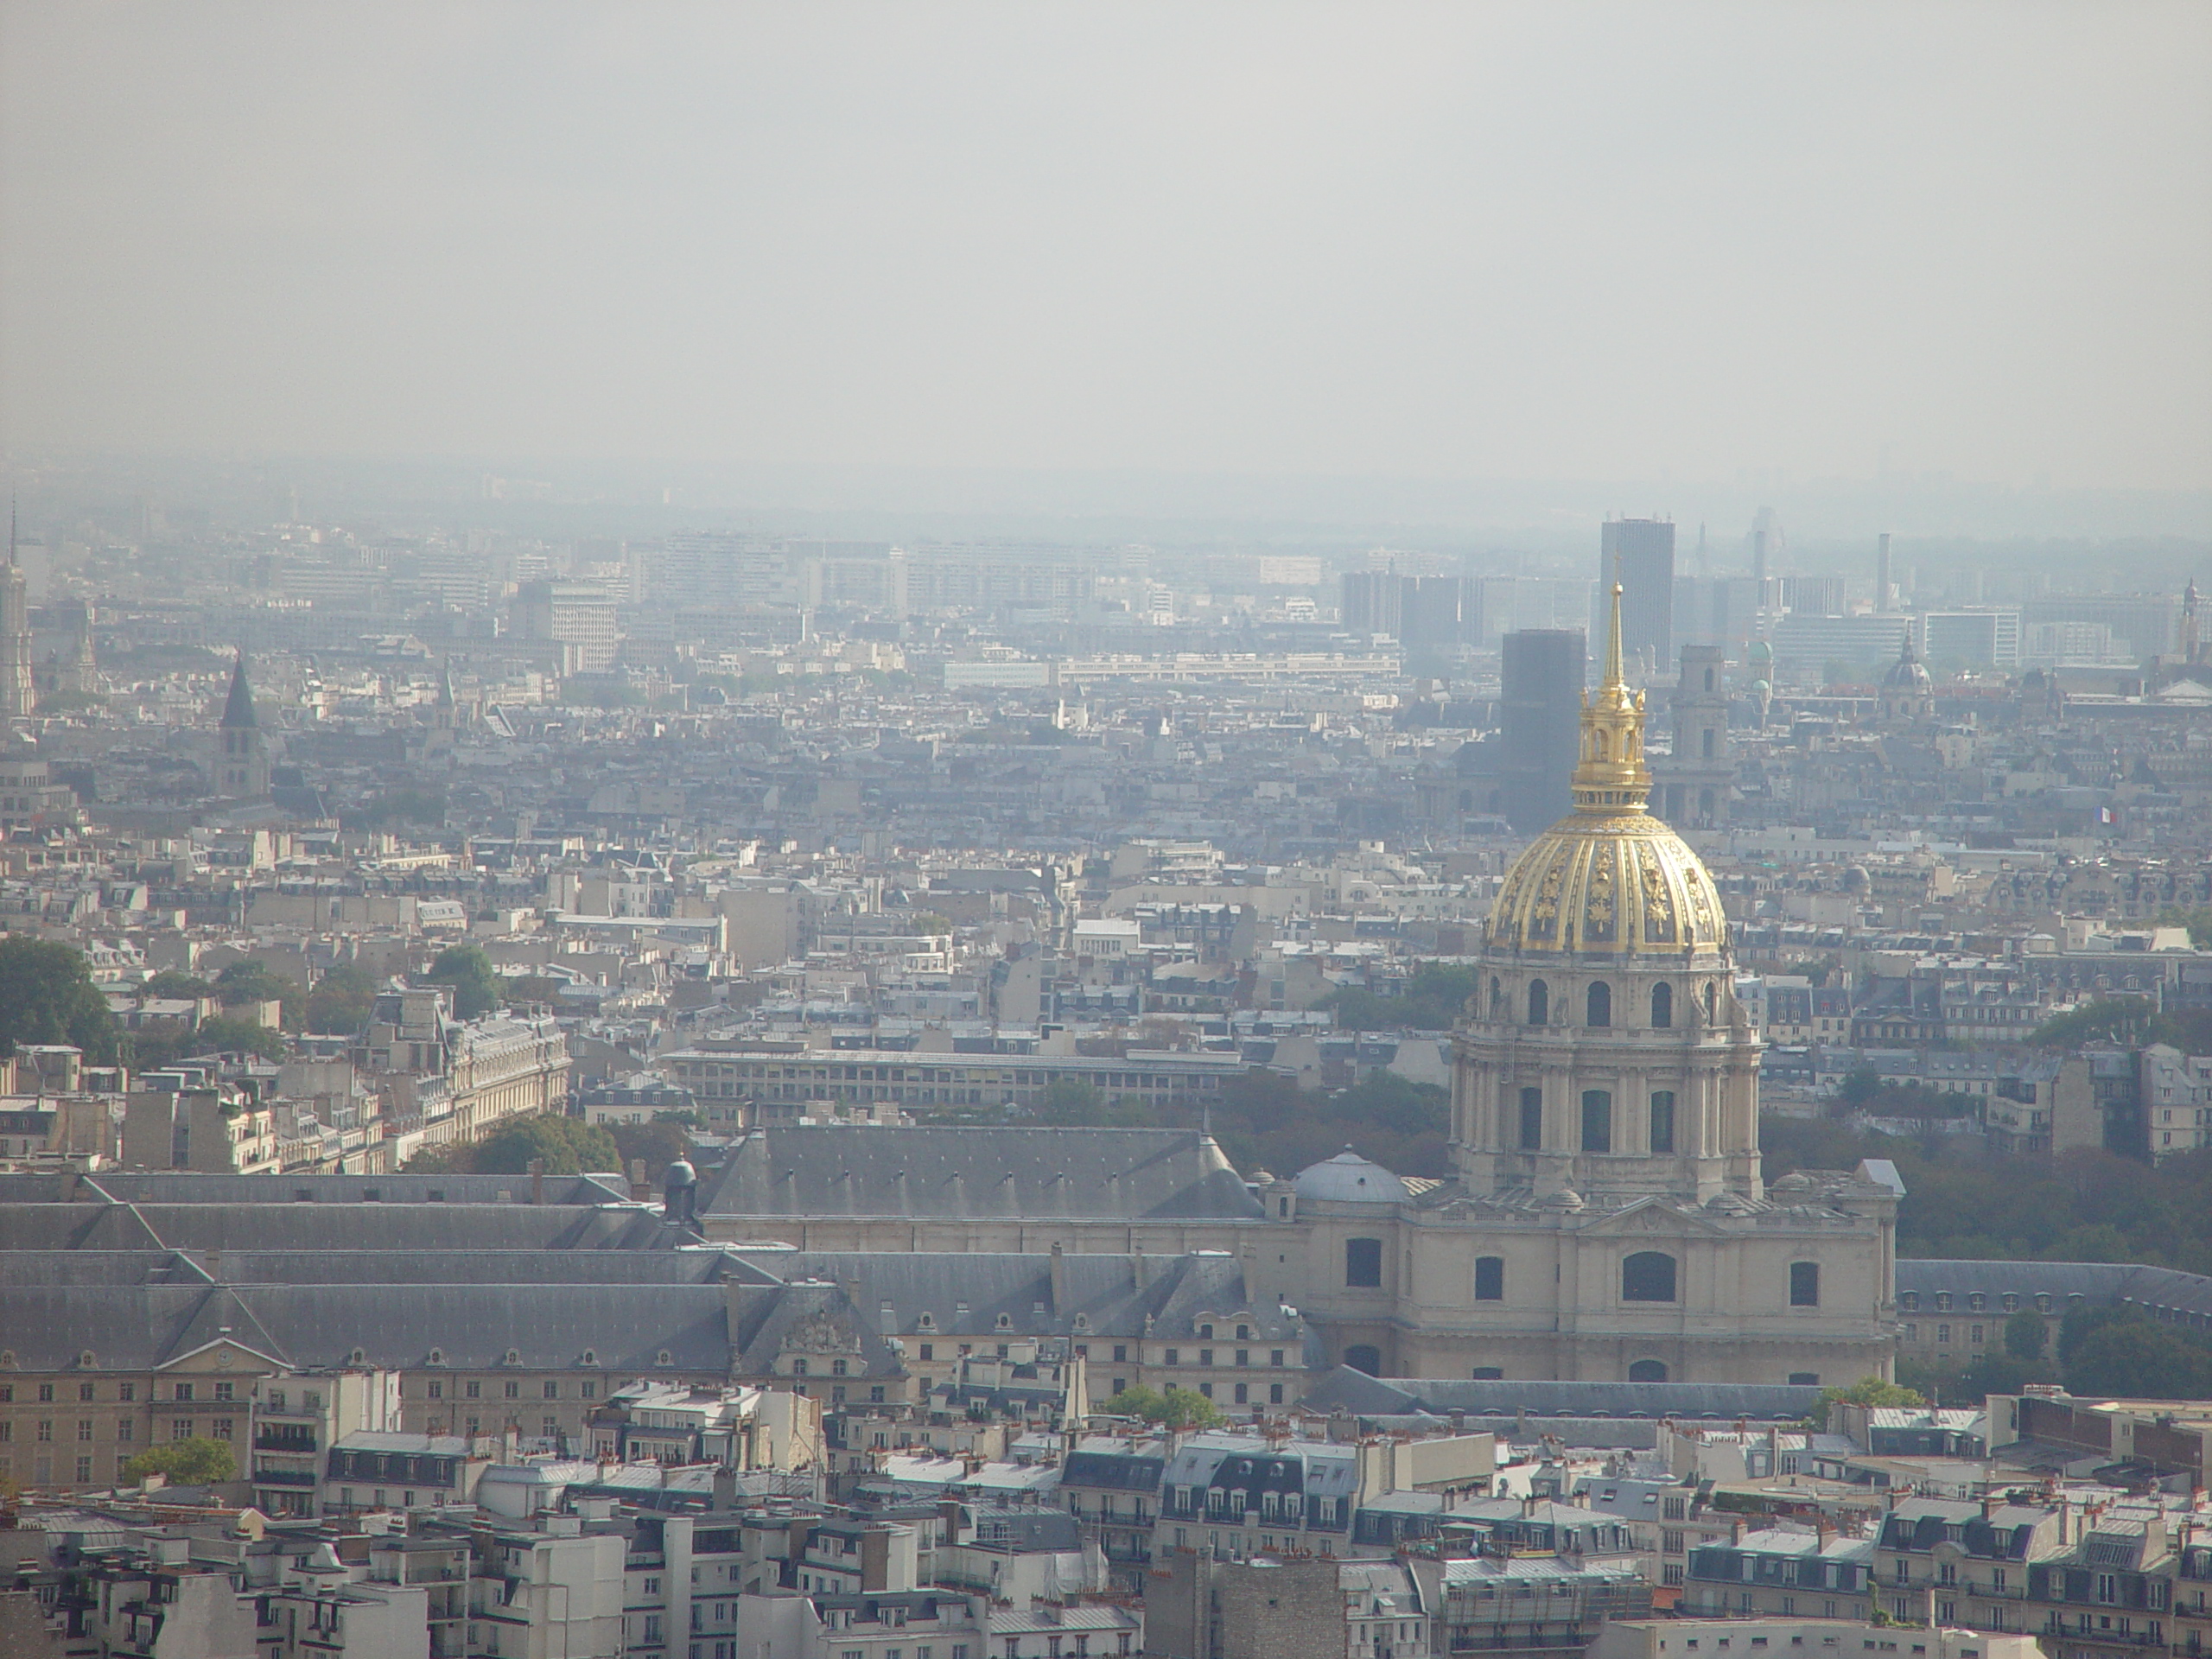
(437, 1356)
(664, 1358)
(1006, 1322)
(514, 1357)
(591, 1357)
(927, 1322)
(1205, 1334)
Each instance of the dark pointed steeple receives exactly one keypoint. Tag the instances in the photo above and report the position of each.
(238, 709)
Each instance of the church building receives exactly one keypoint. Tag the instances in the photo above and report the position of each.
(1605, 1219)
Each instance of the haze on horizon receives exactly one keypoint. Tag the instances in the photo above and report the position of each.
(1549, 241)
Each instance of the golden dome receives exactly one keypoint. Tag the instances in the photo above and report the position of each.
(1609, 877)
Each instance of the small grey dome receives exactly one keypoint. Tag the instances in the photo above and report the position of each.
(680, 1173)
(1349, 1179)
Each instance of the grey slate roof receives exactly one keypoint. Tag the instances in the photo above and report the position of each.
(2098, 1281)
(287, 1227)
(376, 1267)
(187, 1186)
(1102, 1289)
(143, 1327)
(831, 1170)
(1370, 1396)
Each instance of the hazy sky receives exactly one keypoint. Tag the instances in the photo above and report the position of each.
(1492, 241)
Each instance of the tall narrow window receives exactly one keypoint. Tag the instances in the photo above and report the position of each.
(1540, 1003)
(1601, 1004)
(1532, 1119)
(1662, 1120)
(1804, 1284)
(1712, 1006)
(1597, 1121)
(1662, 1006)
(1363, 1263)
(1490, 1278)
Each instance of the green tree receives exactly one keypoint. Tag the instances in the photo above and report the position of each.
(224, 1035)
(2108, 1018)
(2129, 1356)
(341, 1001)
(1860, 1084)
(1869, 1391)
(252, 981)
(199, 1461)
(2197, 920)
(46, 996)
(1171, 1409)
(658, 1143)
(569, 1145)
(170, 982)
(2027, 1336)
(1072, 1103)
(1434, 999)
(469, 972)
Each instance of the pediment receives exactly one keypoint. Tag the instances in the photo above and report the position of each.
(1651, 1217)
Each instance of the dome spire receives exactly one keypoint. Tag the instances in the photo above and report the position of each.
(1610, 778)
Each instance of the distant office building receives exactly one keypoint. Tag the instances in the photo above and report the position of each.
(1423, 612)
(1438, 612)
(1720, 611)
(1976, 639)
(1541, 713)
(1806, 646)
(1509, 604)
(1813, 595)
(2149, 624)
(578, 615)
(17, 696)
(1882, 588)
(1639, 553)
(1369, 601)
(1766, 547)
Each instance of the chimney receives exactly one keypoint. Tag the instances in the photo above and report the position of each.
(537, 1180)
(1059, 1281)
(1137, 1268)
(641, 1190)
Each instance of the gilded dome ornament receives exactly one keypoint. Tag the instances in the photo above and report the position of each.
(1609, 865)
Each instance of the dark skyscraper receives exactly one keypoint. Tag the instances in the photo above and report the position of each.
(1639, 553)
(1541, 714)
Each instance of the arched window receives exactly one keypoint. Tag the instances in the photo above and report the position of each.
(1712, 1003)
(1647, 1276)
(1490, 1278)
(1540, 1003)
(1648, 1371)
(1363, 1356)
(1597, 1121)
(1662, 1006)
(1363, 1263)
(1601, 1004)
